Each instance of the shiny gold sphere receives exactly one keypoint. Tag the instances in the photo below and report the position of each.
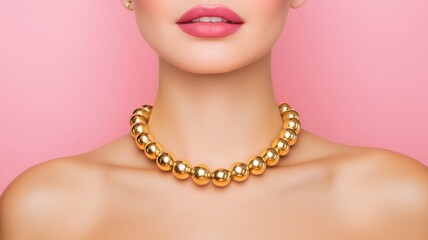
(137, 119)
(153, 150)
(138, 128)
(283, 107)
(292, 123)
(142, 112)
(240, 171)
(147, 107)
(257, 165)
(281, 146)
(290, 114)
(270, 155)
(181, 169)
(288, 134)
(165, 161)
(221, 177)
(201, 174)
(143, 139)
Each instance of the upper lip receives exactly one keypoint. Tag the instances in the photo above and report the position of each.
(204, 10)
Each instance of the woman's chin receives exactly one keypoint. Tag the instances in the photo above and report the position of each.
(206, 67)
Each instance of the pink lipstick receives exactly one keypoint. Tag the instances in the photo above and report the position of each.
(210, 21)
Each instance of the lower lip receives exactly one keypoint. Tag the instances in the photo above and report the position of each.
(209, 29)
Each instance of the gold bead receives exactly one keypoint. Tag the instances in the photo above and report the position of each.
(240, 171)
(292, 123)
(288, 134)
(283, 107)
(181, 169)
(143, 139)
(137, 118)
(153, 150)
(257, 165)
(290, 114)
(138, 128)
(270, 155)
(165, 161)
(221, 177)
(281, 146)
(201, 174)
(147, 107)
(142, 112)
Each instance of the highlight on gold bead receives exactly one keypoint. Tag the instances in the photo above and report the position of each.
(283, 107)
(165, 161)
(270, 155)
(240, 171)
(181, 169)
(290, 114)
(147, 107)
(281, 146)
(153, 150)
(201, 174)
(221, 177)
(289, 134)
(138, 128)
(292, 123)
(257, 165)
(142, 139)
(142, 112)
(137, 119)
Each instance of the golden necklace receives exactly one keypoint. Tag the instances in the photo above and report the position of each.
(201, 173)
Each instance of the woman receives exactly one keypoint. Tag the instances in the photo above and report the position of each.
(215, 106)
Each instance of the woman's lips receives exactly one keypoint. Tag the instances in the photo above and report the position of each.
(210, 29)
(203, 10)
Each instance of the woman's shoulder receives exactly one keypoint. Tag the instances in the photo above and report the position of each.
(391, 189)
(382, 172)
(377, 166)
(353, 159)
(57, 197)
(49, 200)
(75, 175)
(378, 189)
(374, 168)
(62, 173)
(84, 168)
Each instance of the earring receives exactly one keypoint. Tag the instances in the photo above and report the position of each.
(128, 4)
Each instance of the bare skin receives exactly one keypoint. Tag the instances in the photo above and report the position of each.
(320, 190)
(331, 192)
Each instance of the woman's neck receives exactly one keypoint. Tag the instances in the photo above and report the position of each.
(215, 119)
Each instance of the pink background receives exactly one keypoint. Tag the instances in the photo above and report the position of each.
(72, 71)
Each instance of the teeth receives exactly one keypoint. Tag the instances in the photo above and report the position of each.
(209, 19)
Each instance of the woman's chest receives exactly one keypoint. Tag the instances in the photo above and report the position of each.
(248, 220)
(254, 211)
